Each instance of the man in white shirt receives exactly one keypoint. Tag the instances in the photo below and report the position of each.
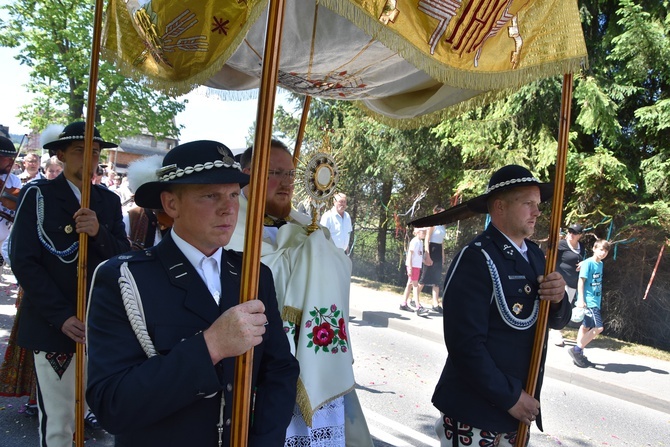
(32, 168)
(338, 221)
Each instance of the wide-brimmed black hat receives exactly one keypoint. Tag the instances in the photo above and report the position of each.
(75, 132)
(196, 163)
(7, 148)
(510, 176)
(576, 228)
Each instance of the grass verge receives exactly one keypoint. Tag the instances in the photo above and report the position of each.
(613, 344)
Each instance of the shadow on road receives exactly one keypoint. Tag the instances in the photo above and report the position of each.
(625, 368)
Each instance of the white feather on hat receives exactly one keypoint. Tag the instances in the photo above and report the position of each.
(143, 170)
(51, 133)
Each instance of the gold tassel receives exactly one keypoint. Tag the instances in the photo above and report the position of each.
(306, 409)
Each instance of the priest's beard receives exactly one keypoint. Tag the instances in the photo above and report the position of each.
(278, 210)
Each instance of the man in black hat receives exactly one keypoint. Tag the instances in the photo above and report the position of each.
(165, 323)
(11, 185)
(44, 257)
(491, 301)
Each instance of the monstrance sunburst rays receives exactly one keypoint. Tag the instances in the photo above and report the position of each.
(317, 179)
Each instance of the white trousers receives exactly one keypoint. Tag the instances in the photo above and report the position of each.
(56, 402)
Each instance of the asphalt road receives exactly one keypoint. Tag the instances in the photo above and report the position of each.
(16, 428)
(396, 373)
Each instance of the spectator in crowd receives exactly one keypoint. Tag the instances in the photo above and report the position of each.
(338, 222)
(145, 227)
(16, 373)
(431, 274)
(17, 169)
(413, 264)
(124, 192)
(111, 180)
(589, 296)
(97, 176)
(31, 163)
(570, 255)
(12, 185)
(52, 168)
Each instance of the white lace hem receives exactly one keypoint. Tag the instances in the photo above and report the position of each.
(327, 428)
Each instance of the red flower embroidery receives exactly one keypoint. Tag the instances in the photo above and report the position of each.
(343, 329)
(323, 334)
(328, 330)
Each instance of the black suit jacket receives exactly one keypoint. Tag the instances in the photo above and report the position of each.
(488, 359)
(49, 282)
(173, 398)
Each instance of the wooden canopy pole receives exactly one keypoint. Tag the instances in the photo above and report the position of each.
(301, 130)
(83, 237)
(255, 213)
(552, 251)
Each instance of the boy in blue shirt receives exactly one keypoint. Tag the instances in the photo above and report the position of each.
(589, 295)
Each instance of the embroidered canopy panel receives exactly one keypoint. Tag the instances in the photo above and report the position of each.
(402, 59)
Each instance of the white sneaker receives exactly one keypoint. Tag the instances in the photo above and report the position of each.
(556, 337)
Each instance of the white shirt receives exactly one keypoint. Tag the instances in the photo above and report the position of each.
(24, 177)
(523, 249)
(75, 190)
(416, 248)
(438, 234)
(339, 226)
(208, 267)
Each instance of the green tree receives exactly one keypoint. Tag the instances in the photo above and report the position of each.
(386, 170)
(618, 160)
(54, 38)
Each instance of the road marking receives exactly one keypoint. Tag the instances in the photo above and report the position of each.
(381, 435)
(395, 441)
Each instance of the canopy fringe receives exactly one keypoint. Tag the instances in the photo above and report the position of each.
(170, 87)
(431, 119)
(463, 79)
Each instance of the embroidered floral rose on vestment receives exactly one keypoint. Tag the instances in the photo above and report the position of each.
(328, 330)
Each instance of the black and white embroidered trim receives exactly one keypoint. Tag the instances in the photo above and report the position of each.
(511, 182)
(503, 308)
(77, 137)
(171, 172)
(43, 237)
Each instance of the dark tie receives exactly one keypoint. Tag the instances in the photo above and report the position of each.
(270, 221)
